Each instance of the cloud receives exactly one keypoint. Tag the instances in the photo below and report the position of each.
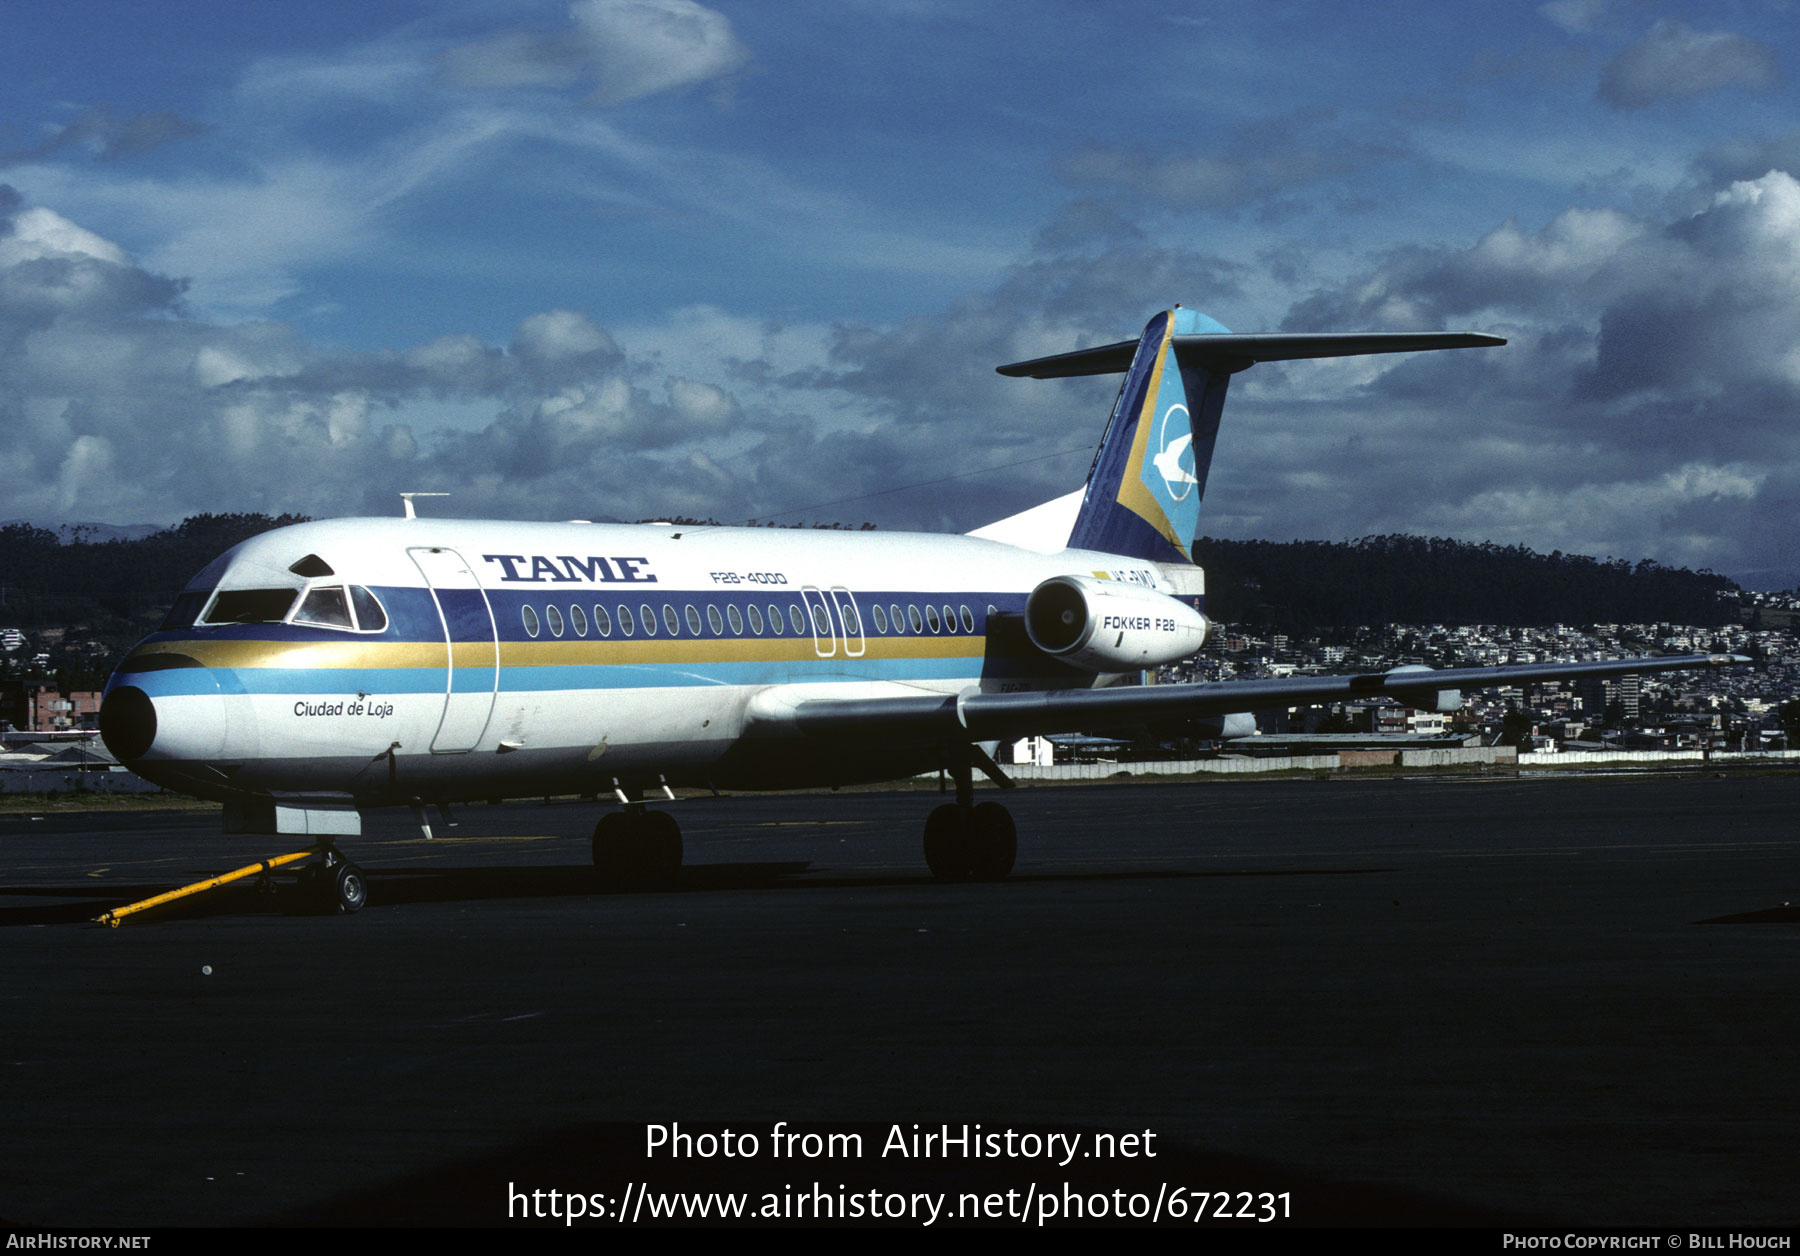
(1419, 289)
(109, 137)
(51, 269)
(1260, 163)
(627, 49)
(1575, 16)
(1643, 406)
(1674, 62)
(120, 403)
(1749, 157)
(39, 233)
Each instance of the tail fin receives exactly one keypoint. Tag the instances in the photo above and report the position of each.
(1145, 485)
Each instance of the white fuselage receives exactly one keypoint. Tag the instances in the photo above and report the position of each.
(387, 660)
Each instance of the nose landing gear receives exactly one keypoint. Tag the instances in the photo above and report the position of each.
(334, 886)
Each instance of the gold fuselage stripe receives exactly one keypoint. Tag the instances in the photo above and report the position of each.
(239, 653)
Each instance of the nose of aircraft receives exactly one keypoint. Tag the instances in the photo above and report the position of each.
(163, 708)
(128, 723)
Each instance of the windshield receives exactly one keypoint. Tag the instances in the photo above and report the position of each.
(251, 606)
(350, 607)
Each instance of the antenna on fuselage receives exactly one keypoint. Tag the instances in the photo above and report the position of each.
(406, 499)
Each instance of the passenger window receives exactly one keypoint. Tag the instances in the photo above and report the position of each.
(714, 622)
(555, 618)
(626, 627)
(251, 606)
(737, 620)
(531, 620)
(821, 622)
(693, 620)
(670, 622)
(648, 618)
(949, 620)
(327, 607)
(755, 619)
(369, 615)
(894, 614)
(775, 625)
(852, 627)
(968, 620)
(931, 618)
(602, 621)
(880, 618)
(578, 618)
(799, 624)
(912, 617)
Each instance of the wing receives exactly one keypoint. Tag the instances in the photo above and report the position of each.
(976, 716)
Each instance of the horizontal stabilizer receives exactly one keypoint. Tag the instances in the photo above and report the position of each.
(1231, 351)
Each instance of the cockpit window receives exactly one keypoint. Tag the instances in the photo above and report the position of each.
(369, 615)
(185, 611)
(251, 606)
(326, 607)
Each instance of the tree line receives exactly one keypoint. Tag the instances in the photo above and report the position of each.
(1303, 585)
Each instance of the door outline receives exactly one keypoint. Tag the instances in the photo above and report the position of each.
(468, 711)
(816, 603)
(850, 639)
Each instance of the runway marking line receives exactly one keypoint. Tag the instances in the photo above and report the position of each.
(809, 824)
(511, 837)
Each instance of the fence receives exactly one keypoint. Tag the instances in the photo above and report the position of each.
(1349, 760)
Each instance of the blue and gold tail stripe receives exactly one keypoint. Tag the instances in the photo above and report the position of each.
(1143, 494)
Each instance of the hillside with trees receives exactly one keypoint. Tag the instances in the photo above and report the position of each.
(1302, 585)
(88, 602)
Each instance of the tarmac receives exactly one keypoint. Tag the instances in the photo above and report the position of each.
(1438, 1000)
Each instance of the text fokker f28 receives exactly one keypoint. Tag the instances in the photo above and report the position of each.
(322, 669)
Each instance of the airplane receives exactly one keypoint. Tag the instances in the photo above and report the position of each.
(323, 669)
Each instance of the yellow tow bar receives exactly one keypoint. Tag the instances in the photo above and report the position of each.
(112, 918)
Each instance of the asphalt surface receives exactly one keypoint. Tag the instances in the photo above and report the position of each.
(1464, 1001)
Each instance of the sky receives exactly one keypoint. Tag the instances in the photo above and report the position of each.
(751, 260)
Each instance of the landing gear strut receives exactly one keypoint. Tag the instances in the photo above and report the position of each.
(638, 848)
(967, 842)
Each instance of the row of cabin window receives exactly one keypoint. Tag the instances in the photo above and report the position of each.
(671, 622)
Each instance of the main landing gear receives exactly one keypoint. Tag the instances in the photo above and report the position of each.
(638, 848)
(969, 842)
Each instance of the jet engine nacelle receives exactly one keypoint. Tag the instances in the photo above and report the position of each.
(1109, 626)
